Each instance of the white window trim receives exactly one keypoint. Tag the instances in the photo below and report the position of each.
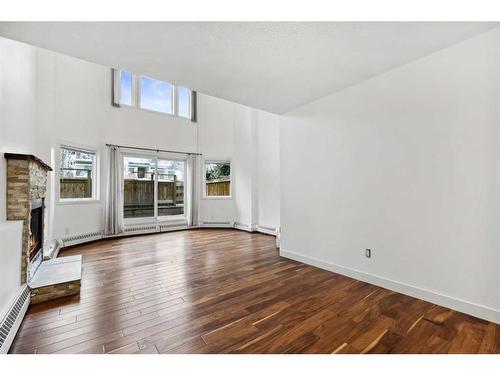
(156, 219)
(95, 174)
(231, 184)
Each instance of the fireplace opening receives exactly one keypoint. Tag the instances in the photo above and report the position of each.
(36, 228)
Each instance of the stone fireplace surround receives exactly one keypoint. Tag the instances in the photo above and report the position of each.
(26, 184)
(27, 187)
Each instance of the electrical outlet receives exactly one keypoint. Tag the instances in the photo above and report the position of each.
(368, 253)
(66, 230)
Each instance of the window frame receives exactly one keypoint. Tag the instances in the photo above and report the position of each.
(95, 198)
(136, 95)
(155, 218)
(204, 179)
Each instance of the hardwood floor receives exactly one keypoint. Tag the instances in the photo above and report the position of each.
(227, 291)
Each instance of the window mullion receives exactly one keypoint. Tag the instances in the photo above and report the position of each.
(136, 89)
(156, 189)
(175, 101)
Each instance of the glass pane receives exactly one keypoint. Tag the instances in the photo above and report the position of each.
(170, 187)
(76, 174)
(218, 179)
(156, 95)
(125, 87)
(138, 187)
(184, 97)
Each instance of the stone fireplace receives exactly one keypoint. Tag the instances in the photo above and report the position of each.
(26, 192)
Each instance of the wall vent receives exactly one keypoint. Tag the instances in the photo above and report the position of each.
(12, 320)
(79, 238)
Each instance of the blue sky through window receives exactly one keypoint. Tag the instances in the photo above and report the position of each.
(126, 88)
(184, 96)
(156, 95)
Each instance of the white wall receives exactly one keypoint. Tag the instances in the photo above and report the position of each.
(249, 138)
(50, 98)
(17, 105)
(405, 164)
(216, 138)
(17, 126)
(268, 170)
(10, 266)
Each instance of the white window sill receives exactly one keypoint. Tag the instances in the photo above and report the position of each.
(172, 218)
(129, 222)
(133, 107)
(218, 197)
(64, 202)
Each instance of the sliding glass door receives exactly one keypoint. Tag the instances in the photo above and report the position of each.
(170, 187)
(153, 188)
(138, 187)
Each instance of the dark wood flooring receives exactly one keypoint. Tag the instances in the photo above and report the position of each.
(227, 291)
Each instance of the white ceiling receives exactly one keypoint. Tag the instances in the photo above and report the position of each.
(272, 66)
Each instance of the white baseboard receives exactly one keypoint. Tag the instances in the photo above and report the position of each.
(245, 227)
(477, 310)
(255, 228)
(266, 230)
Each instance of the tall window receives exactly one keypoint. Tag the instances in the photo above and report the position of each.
(184, 102)
(138, 187)
(126, 83)
(217, 179)
(153, 187)
(77, 174)
(153, 95)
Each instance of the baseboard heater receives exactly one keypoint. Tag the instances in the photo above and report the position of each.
(173, 225)
(13, 318)
(81, 238)
(157, 228)
(142, 229)
(216, 224)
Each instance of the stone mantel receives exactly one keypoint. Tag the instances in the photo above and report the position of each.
(33, 158)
